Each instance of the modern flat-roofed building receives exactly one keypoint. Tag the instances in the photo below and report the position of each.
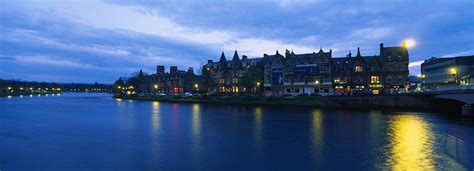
(442, 73)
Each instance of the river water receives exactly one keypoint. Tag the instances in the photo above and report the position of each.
(76, 131)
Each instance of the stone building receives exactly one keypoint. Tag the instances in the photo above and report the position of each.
(173, 82)
(232, 76)
(289, 74)
(321, 73)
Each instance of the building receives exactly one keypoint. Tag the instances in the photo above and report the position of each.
(234, 76)
(442, 73)
(321, 73)
(173, 82)
(289, 74)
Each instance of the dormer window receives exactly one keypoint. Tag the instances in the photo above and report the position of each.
(358, 68)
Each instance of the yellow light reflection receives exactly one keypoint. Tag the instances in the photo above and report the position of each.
(118, 99)
(411, 143)
(155, 117)
(258, 124)
(196, 119)
(317, 134)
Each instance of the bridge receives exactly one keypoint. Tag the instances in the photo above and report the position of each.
(464, 96)
(452, 102)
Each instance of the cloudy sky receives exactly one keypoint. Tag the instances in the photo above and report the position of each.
(93, 40)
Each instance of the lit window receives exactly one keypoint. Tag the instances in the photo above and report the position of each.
(358, 68)
(374, 79)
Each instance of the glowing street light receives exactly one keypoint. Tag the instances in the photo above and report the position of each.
(408, 43)
(455, 73)
(156, 86)
(9, 88)
(452, 70)
(258, 83)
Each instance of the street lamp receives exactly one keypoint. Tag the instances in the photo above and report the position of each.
(408, 43)
(156, 86)
(455, 73)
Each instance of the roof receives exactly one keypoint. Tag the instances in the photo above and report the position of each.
(395, 51)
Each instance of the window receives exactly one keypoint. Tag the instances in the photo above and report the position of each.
(235, 80)
(221, 81)
(358, 68)
(374, 79)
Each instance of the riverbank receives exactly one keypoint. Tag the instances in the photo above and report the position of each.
(241, 100)
(390, 102)
(25, 94)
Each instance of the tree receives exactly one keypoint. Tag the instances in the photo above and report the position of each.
(252, 77)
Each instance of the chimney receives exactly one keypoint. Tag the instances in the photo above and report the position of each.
(191, 70)
(210, 61)
(244, 57)
(173, 69)
(381, 49)
(160, 69)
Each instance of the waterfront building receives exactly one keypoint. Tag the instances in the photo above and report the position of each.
(234, 76)
(445, 73)
(321, 73)
(289, 74)
(173, 82)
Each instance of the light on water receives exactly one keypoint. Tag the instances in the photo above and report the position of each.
(411, 144)
(145, 135)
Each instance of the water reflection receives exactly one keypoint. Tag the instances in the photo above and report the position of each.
(411, 144)
(196, 120)
(155, 117)
(155, 129)
(196, 134)
(317, 134)
(457, 151)
(258, 125)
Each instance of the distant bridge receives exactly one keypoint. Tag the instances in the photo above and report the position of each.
(451, 102)
(465, 96)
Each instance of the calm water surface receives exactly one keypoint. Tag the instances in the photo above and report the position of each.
(97, 132)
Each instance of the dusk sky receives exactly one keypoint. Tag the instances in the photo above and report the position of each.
(91, 40)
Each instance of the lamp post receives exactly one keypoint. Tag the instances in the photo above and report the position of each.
(455, 73)
(196, 86)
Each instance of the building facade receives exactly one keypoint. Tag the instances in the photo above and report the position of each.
(289, 74)
(321, 73)
(173, 82)
(234, 76)
(439, 73)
